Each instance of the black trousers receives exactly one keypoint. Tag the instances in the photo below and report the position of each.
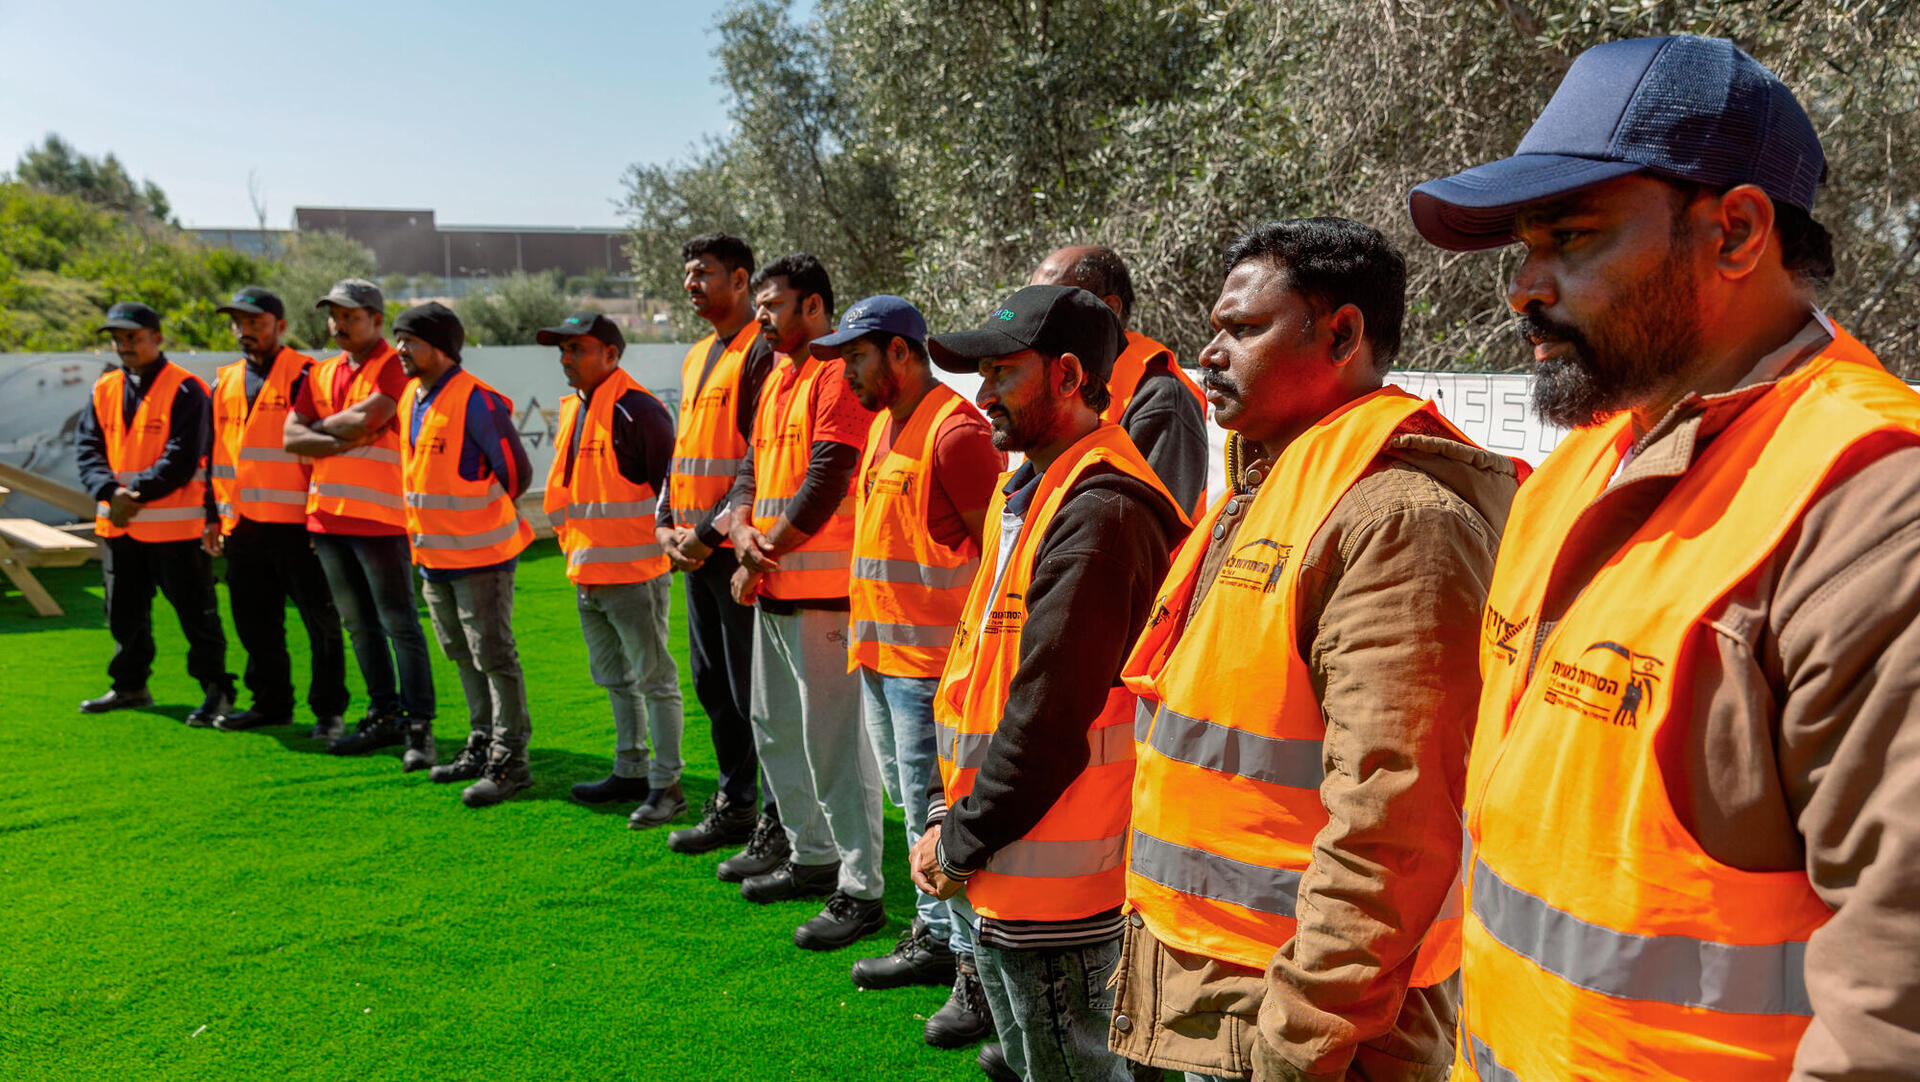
(720, 652)
(269, 563)
(133, 571)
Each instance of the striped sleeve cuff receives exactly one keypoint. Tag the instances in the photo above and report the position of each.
(947, 868)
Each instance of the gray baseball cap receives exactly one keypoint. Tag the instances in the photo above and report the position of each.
(354, 293)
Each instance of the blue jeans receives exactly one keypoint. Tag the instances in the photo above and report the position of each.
(1052, 1009)
(372, 580)
(898, 711)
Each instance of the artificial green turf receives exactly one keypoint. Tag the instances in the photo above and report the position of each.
(190, 904)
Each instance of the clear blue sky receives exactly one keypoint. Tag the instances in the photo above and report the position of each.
(487, 112)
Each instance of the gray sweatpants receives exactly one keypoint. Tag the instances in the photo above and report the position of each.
(473, 619)
(625, 625)
(813, 747)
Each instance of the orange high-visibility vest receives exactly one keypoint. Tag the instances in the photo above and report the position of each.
(707, 446)
(603, 521)
(254, 476)
(1131, 365)
(1602, 941)
(1070, 865)
(1226, 793)
(180, 515)
(451, 521)
(782, 444)
(907, 589)
(363, 483)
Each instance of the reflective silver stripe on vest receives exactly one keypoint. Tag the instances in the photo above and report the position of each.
(226, 510)
(467, 541)
(771, 507)
(334, 490)
(1057, 860)
(707, 467)
(290, 497)
(816, 560)
(385, 455)
(269, 454)
(1484, 1064)
(1202, 743)
(612, 554)
(933, 636)
(1739, 979)
(874, 569)
(225, 473)
(1210, 875)
(612, 509)
(149, 515)
(1107, 744)
(434, 501)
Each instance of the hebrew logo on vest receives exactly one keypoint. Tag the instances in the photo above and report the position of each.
(1608, 682)
(1500, 633)
(1255, 565)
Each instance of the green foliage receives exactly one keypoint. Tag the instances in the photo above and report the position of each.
(308, 267)
(427, 285)
(55, 166)
(513, 308)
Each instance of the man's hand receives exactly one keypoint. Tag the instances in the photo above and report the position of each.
(924, 862)
(745, 585)
(753, 548)
(669, 538)
(692, 547)
(122, 506)
(211, 540)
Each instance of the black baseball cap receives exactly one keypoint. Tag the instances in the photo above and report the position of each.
(354, 293)
(585, 322)
(253, 301)
(129, 316)
(1686, 108)
(1049, 319)
(436, 325)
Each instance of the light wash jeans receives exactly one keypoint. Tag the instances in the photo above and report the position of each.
(625, 625)
(898, 711)
(1052, 1010)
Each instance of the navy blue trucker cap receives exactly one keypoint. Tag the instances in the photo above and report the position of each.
(883, 313)
(1686, 108)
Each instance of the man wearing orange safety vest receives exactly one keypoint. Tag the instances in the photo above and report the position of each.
(793, 530)
(344, 419)
(141, 447)
(609, 465)
(719, 396)
(463, 465)
(1307, 692)
(1035, 730)
(1692, 846)
(924, 483)
(1153, 398)
(259, 492)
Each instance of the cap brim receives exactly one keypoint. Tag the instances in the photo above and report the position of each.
(1473, 210)
(827, 346)
(243, 309)
(962, 351)
(551, 336)
(118, 325)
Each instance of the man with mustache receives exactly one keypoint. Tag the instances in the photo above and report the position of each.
(260, 492)
(344, 419)
(1307, 689)
(719, 395)
(141, 447)
(1692, 847)
(924, 483)
(1153, 398)
(793, 531)
(1029, 814)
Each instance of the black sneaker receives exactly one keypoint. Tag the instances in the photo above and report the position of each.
(612, 789)
(790, 881)
(917, 958)
(250, 718)
(219, 701)
(375, 731)
(964, 1017)
(466, 764)
(845, 920)
(505, 775)
(117, 700)
(722, 822)
(992, 1062)
(330, 727)
(421, 753)
(765, 851)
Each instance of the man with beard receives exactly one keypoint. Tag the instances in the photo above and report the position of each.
(793, 531)
(462, 467)
(1153, 398)
(141, 448)
(1307, 691)
(260, 492)
(1690, 800)
(344, 419)
(924, 483)
(719, 394)
(1029, 815)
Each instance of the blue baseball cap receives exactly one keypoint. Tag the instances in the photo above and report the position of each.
(883, 313)
(1686, 108)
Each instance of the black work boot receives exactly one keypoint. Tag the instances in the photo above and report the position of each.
(219, 701)
(251, 718)
(917, 958)
(328, 727)
(844, 920)
(992, 1062)
(420, 753)
(466, 764)
(660, 808)
(964, 1017)
(612, 789)
(375, 731)
(506, 774)
(722, 822)
(765, 850)
(115, 699)
(790, 881)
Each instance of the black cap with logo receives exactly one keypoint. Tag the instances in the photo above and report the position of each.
(130, 316)
(585, 322)
(1048, 319)
(253, 301)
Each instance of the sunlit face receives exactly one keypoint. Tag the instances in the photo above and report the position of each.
(416, 355)
(1016, 395)
(259, 332)
(711, 288)
(587, 361)
(870, 373)
(781, 313)
(137, 348)
(1267, 370)
(353, 329)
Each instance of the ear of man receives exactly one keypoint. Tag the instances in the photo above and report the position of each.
(1743, 217)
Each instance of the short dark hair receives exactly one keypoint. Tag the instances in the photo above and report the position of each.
(882, 339)
(1335, 262)
(728, 250)
(1096, 393)
(1103, 273)
(804, 276)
